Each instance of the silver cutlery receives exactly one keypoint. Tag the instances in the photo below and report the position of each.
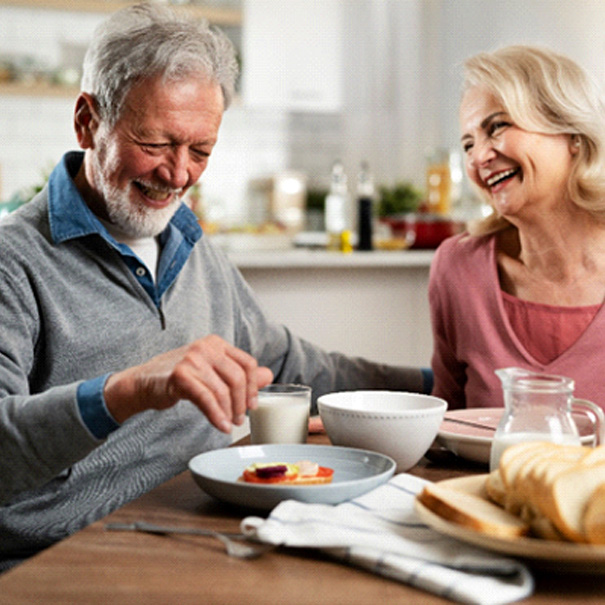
(234, 542)
(477, 425)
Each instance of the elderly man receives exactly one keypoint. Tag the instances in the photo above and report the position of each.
(129, 344)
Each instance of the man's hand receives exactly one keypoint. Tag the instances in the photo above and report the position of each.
(220, 379)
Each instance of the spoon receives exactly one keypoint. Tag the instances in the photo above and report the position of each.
(232, 541)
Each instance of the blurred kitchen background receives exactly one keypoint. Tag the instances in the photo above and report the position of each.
(374, 81)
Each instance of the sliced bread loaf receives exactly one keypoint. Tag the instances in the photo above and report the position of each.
(472, 511)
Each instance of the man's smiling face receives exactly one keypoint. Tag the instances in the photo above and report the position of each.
(160, 146)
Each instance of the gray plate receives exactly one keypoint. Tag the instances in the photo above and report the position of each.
(355, 472)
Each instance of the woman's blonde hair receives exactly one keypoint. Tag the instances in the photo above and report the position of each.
(548, 93)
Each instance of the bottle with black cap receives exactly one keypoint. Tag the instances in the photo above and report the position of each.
(365, 208)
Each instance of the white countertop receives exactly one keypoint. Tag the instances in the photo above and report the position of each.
(305, 258)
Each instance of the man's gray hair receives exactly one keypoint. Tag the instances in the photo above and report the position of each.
(148, 40)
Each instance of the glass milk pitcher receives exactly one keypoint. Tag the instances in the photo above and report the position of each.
(538, 407)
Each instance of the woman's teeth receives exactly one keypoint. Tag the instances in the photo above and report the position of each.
(501, 176)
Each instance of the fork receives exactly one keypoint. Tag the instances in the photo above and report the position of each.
(233, 541)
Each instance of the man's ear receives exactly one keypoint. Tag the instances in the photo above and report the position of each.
(86, 120)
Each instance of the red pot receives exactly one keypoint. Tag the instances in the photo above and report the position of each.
(424, 230)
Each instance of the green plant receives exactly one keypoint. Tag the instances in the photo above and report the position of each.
(316, 199)
(402, 198)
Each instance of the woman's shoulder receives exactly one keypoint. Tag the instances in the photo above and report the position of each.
(465, 248)
(463, 272)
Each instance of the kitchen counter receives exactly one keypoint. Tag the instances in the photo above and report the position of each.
(304, 258)
(369, 304)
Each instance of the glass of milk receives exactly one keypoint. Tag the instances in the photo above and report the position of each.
(282, 415)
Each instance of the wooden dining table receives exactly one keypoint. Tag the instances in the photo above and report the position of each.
(97, 566)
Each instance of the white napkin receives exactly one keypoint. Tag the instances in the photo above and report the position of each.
(381, 532)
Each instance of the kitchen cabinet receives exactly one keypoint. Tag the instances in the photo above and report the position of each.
(293, 54)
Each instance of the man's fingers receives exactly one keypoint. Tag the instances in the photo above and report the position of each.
(255, 377)
(220, 379)
(264, 377)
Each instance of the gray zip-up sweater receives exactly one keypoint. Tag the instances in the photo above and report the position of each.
(72, 311)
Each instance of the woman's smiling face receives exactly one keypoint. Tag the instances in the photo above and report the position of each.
(519, 171)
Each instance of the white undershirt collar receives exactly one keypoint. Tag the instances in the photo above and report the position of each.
(146, 248)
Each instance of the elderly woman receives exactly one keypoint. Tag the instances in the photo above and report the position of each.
(525, 286)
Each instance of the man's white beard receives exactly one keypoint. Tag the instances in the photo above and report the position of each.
(137, 221)
(134, 220)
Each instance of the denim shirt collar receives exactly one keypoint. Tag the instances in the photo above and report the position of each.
(71, 218)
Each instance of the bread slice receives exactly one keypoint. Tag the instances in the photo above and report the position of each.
(513, 458)
(543, 527)
(471, 484)
(538, 476)
(518, 498)
(534, 469)
(511, 462)
(594, 517)
(569, 496)
(594, 455)
(494, 487)
(543, 478)
(472, 511)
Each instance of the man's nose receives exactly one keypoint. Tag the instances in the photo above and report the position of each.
(174, 170)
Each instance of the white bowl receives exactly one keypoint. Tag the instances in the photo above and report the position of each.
(398, 424)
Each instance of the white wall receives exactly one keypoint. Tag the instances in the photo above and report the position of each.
(383, 89)
(34, 131)
(572, 27)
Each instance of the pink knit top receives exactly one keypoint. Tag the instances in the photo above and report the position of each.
(477, 329)
(546, 331)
